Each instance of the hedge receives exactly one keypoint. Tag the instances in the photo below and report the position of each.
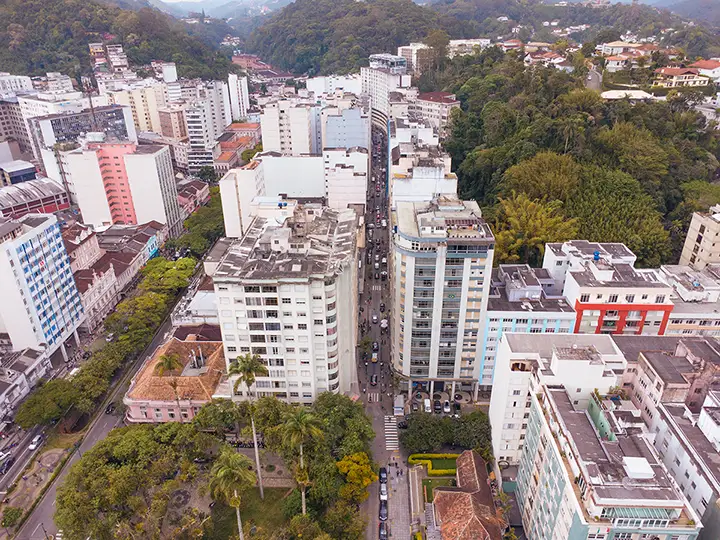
(426, 459)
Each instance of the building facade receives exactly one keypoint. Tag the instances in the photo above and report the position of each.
(699, 249)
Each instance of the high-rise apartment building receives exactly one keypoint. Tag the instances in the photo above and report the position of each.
(699, 249)
(609, 295)
(239, 96)
(417, 55)
(290, 127)
(12, 84)
(287, 291)
(41, 307)
(387, 73)
(345, 128)
(201, 135)
(442, 252)
(172, 121)
(346, 176)
(12, 125)
(420, 173)
(145, 98)
(695, 298)
(58, 82)
(123, 183)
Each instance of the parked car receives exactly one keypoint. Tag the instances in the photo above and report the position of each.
(374, 318)
(377, 257)
(437, 406)
(373, 379)
(35, 442)
(415, 406)
(402, 424)
(377, 275)
(382, 474)
(383, 492)
(375, 346)
(382, 308)
(383, 531)
(5, 467)
(383, 513)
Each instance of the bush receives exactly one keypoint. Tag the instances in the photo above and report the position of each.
(427, 460)
(440, 472)
(432, 456)
(11, 516)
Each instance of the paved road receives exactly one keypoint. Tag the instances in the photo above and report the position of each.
(378, 398)
(41, 520)
(593, 81)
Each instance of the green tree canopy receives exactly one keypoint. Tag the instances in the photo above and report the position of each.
(547, 174)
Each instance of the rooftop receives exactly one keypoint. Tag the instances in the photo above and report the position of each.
(314, 241)
(587, 250)
(446, 218)
(706, 64)
(438, 97)
(29, 191)
(16, 165)
(601, 273)
(128, 238)
(521, 288)
(203, 366)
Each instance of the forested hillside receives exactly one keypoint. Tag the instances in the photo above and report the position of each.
(549, 160)
(336, 36)
(52, 35)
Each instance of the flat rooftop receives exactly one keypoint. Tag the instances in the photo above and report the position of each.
(315, 241)
(587, 249)
(619, 275)
(603, 460)
(546, 344)
(444, 219)
(670, 368)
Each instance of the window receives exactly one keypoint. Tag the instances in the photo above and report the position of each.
(516, 392)
(302, 326)
(584, 297)
(630, 298)
(612, 299)
(660, 298)
(287, 300)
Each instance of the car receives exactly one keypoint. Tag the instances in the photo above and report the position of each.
(437, 406)
(377, 275)
(383, 513)
(382, 308)
(377, 266)
(5, 467)
(374, 318)
(383, 224)
(426, 406)
(415, 406)
(110, 408)
(377, 241)
(371, 225)
(446, 407)
(377, 257)
(375, 346)
(384, 261)
(109, 337)
(383, 492)
(402, 424)
(384, 275)
(373, 379)
(35, 442)
(374, 358)
(383, 531)
(382, 475)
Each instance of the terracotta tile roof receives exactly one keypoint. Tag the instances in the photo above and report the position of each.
(225, 157)
(468, 512)
(196, 386)
(243, 125)
(706, 64)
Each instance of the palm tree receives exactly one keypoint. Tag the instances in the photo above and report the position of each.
(247, 367)
(300, 427)
(173, 383)
(168, 363)
(230, 475)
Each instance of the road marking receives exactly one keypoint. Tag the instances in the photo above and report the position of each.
(391, 433)
(373, 397)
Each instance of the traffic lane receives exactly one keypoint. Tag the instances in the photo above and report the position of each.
(22, 456)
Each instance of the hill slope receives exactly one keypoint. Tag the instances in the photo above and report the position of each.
(324, 36)
(40, 35)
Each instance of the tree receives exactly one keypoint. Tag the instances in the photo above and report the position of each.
(438, 41)
(359, 474)
(11, 516)
(219, 415)
(425, 433)
(167, 363)
(524, 226)
(301, 427)
(342, 521)
(164, 276)
(472, 431)
(47, 404)
(249, 153)
(346, 427)
(207, 173)
(247, 367)
(230, 475)
(547, 174)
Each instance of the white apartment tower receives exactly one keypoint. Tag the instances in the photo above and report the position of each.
(12, 84)
(145, 99)
(346, 176)
(239, 96)
(290, 127)
(387, 73)
(699, 249)
(287, 291)
(442, 253)
(41, 307)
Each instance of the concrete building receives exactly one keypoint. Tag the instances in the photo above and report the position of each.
(330, 84)
(670, 77)
(707, 68)
(441, 259)
(13, 84)
(81, 244)
(176, 397)
(527, 362)
(688, 446)
(608, 294)
(590, 473)
(346, 176)
(462, 47)
(100, 294)
(239, 96)
(386, 74)
(287, 291)
(20, 371)
(695, 298)
(57, 82)
(290, 127)
(12, 125)
(123, 183)
(41, 306)
(521, 300)
(38, 196)
(172, 121)
(347, 128)
(202, 133)
(419, 173)
(418, 56)
(699, 249)
(436, 107)
(179, 148)
(145, 100)
(16, 172)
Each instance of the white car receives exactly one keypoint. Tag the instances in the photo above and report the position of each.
(35, 442)
(383, 492)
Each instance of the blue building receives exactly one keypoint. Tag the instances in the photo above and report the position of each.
(14, 172)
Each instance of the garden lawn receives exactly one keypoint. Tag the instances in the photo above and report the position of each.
(265, 514)
(444, 464)
(431, 483)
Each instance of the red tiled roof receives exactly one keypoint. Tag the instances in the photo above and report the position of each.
(706, 64)
(235, 126)
(438, 97)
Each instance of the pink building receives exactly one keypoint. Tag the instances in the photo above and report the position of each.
(192, 194)
(152, 398)
(82, 246)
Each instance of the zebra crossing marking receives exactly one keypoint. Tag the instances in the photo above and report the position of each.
(391, 433)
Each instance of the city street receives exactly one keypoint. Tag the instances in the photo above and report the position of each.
(375, 379)
(40, 525)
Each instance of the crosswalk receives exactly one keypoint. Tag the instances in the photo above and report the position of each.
(373, 397)
(377, 288)
(391, 433)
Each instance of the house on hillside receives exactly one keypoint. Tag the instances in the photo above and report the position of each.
(673, 77)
